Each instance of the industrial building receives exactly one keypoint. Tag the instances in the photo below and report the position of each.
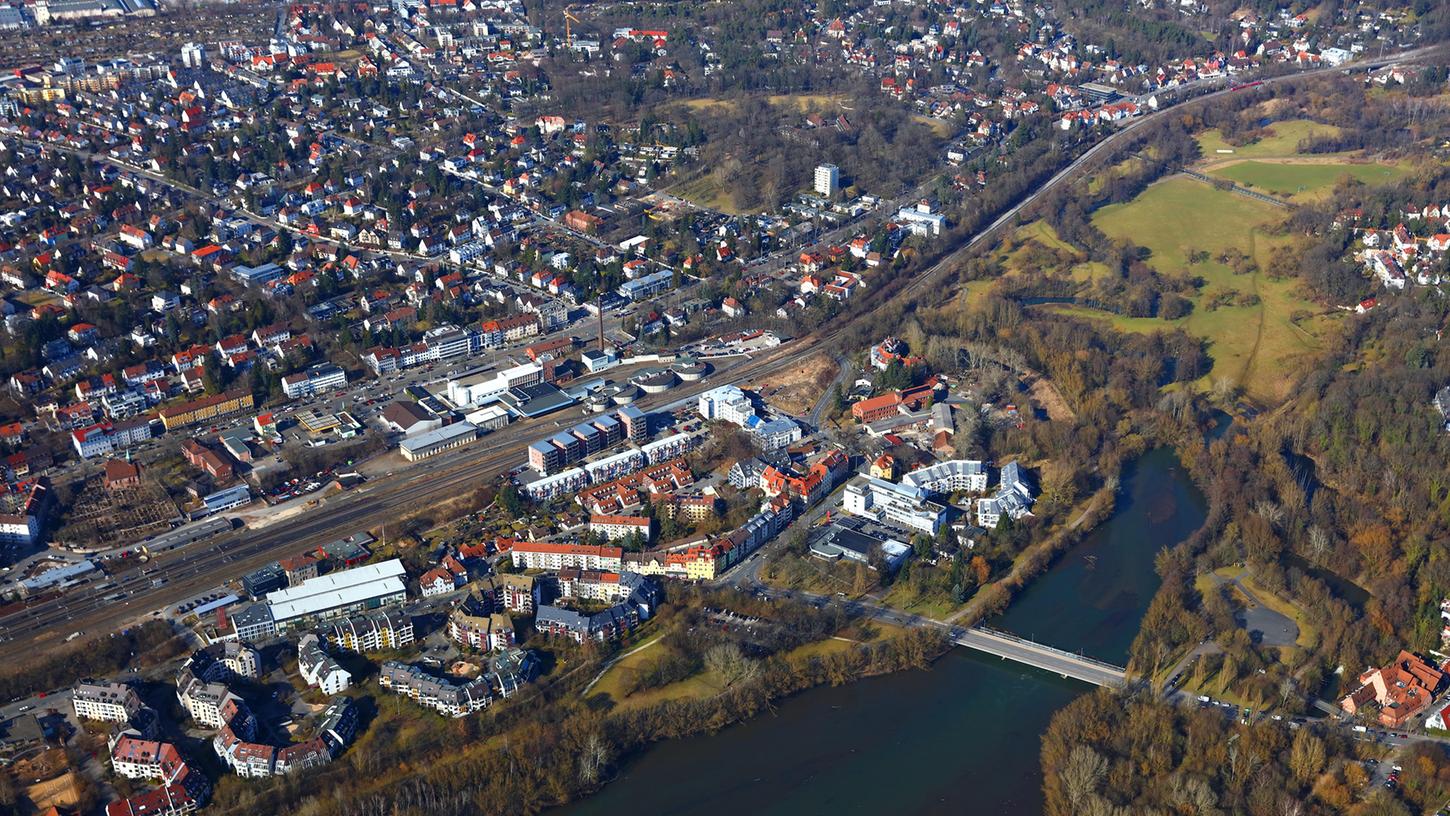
(338, 594)
(435, 442)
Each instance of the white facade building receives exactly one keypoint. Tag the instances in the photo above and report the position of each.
(898, 505)
(318, 667)
(315, 380)
(827, 180)
(949, 477)
(109, 702)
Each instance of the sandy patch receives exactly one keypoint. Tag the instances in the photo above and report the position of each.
(795, 390)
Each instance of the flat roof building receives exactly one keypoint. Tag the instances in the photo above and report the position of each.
(436, 441)
(339, 594)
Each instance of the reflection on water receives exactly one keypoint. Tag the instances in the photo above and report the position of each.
(961, 738)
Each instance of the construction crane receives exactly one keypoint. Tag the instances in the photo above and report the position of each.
(569, 32)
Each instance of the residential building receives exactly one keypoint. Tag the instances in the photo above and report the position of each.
(899, 505)
(241, 659)
(105, 702)
(949, 477)
(383, 630)
(476, 623)
(447, 698)
(548, 556)
(827, 180)
(609, 624)
(614, 528)
(205, 409)
(319, 668)
(318, 379)
(1013, 498)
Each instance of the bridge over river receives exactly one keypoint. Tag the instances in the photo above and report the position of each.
(1011, 647)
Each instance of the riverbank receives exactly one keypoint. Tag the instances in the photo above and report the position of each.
(962, 737)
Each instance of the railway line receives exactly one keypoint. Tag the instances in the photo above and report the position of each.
(193, 569)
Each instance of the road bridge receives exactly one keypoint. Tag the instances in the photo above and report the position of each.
(1021, 650)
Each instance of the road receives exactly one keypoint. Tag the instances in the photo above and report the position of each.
(448, 476)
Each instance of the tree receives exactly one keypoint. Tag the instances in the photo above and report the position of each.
(1307, 757)
(728, 661)
(510, 500)
(1082, 775)
(921, 545)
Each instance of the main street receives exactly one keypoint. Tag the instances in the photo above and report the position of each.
(450, 475)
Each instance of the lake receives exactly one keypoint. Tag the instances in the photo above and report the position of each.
(960, 738)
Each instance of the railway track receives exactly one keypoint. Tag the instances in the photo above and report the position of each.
(24, 633)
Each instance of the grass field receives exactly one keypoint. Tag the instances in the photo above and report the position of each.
(701, 686)
(1302, 181)
(941, 127)
(801, 102)
(1253, 346)
(706, 191)
(1041, 232)
(1283, 140)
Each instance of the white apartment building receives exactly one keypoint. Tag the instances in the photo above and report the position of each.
(827, 180)
(318, 667)
(108, 702)
(316, 380)
(539, 555)
(901, 506)
(949, 477)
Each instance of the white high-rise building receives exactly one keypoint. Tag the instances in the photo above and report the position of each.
(193, 55)
(828, 179)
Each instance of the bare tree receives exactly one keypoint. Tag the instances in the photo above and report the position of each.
(1082, 775)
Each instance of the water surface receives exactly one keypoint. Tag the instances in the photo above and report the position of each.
(962, 738)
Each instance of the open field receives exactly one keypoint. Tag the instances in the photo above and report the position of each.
(796, 389)
(940, 127)
(1302, 180)
(1254, 345)
(706, 191)
(60, 792)
(801, 102)
(1283, 140)
(702, 685)
(1041, 232)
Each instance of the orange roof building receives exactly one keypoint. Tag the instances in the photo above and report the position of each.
(1401, 689)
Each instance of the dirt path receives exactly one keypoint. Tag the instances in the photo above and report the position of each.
(1252, 359)
(1230, 161)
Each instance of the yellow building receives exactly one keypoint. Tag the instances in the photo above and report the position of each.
(884, 467)
(206, 409)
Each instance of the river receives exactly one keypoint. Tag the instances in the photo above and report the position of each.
(960, 738)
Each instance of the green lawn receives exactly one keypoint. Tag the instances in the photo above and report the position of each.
(1253, 346)
(701, 686)
(1043, 233)
(1283, 141)
(1305, 181)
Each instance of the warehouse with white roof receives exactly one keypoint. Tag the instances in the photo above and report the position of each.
(338, 594)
